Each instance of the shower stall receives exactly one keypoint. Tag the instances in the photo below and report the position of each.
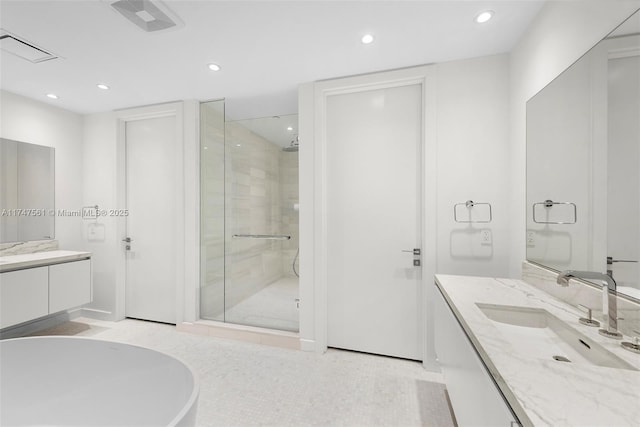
(248, 219)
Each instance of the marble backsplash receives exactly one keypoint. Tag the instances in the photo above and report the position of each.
(30, 247)
(579, 292)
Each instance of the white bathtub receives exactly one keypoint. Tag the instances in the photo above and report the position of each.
(66, 381)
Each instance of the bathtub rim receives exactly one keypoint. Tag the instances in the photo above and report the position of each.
(189, 405)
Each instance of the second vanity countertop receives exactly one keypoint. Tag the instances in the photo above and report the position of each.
(544, 391)
(37, 259)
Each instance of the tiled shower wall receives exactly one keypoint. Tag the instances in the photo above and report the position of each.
(212, 210)
(253, 207)
(289, 212)
(261, 190)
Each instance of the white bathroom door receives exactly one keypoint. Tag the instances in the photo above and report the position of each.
(373, 215)
(150, 198)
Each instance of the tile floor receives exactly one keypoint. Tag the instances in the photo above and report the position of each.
(244, 384)
(273, 307)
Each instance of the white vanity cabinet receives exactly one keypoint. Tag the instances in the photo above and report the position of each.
(475, 399)
(43, 284)
(24, 295)
(69, 285)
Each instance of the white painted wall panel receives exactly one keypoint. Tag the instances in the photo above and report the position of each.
(472, 157)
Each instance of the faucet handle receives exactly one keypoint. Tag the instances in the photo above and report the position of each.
(588, 320)
(632, 346)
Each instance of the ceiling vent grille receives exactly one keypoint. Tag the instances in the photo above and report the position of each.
(26, 50)
(148, 15)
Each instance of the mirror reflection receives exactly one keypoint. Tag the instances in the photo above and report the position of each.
(26, 191)
(583, 163)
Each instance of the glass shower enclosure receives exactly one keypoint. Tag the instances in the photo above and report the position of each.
(248, 219)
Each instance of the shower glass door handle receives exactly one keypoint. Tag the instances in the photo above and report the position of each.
(262, 236)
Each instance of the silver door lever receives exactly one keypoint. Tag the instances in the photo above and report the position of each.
(415, 251)
(127, 240)
(610, 260)
(416, 256)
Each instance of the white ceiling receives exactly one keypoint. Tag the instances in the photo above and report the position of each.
(266, 48)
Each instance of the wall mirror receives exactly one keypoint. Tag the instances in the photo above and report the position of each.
(27, 191)
(583, 163)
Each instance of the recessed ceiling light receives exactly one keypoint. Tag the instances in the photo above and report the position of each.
(214, 67)
(289, 128)
(367, 38)
(484, 16)
(52, 95)
(103, 86)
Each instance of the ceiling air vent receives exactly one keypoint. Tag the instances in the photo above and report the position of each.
(19, 47)
(148, 15)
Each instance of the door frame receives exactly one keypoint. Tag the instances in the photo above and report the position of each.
(313, 180)
(175, 109)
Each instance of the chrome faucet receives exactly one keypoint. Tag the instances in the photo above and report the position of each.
(609, 302)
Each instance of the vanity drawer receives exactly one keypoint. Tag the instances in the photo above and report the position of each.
(24, 295)
(69, 285)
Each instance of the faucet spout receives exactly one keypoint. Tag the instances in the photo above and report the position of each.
(609, 301)
(564, 276)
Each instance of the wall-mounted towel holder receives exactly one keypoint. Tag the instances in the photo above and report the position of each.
(549, 204)
(470, 205)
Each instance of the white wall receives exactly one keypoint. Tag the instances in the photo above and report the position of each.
(472, 109)
(32, 121)
(561, 33)
(99, 188)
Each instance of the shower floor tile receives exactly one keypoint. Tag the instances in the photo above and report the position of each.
(274, 307)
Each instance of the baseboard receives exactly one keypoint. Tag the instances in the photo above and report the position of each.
(308, 345)
(95, 314)
(431, 366)
(32, 326)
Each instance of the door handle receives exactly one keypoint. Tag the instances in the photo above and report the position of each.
(127, 240)
(415, 251)
(610, 260)
(416, 255)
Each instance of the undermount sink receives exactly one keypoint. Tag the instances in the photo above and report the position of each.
(535, 332)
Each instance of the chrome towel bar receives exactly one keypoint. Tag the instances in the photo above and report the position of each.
(262, 236)
(547, 204)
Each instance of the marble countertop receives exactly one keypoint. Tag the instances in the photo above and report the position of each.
(544, 392)
(37, 259)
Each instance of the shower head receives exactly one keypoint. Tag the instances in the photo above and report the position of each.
(293, 147)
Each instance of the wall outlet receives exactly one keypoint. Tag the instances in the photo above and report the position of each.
(95, 232)
(485, 237)
(531, 238)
